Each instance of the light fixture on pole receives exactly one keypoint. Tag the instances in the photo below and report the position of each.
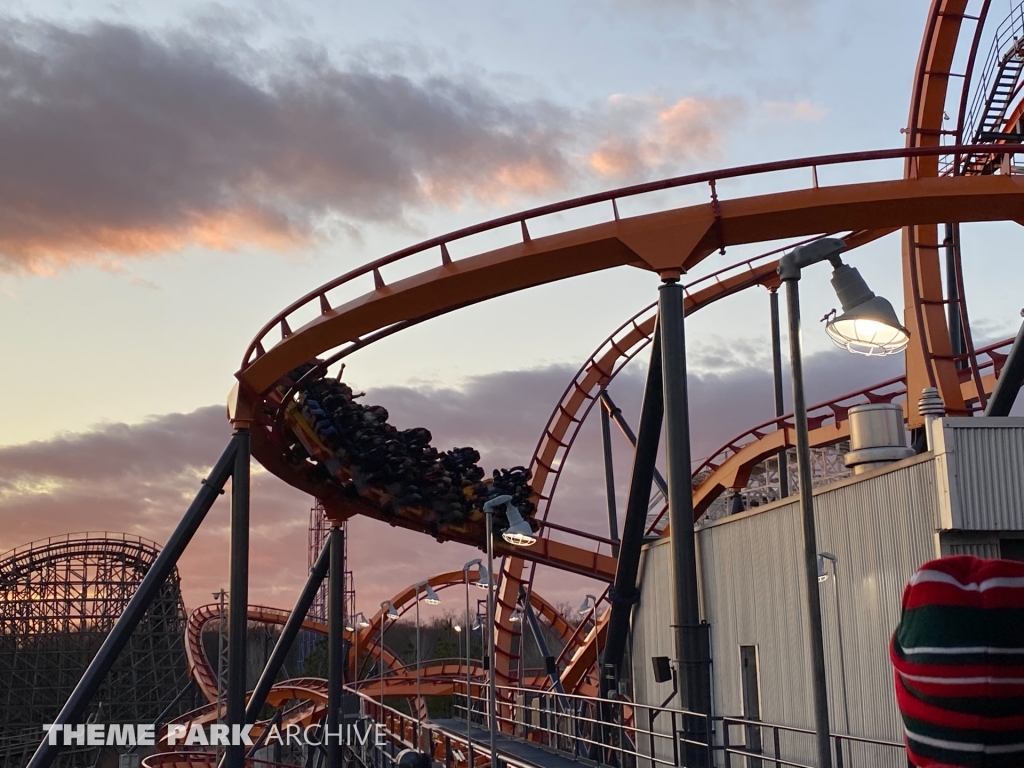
(430, 599)
(360, 623)
(483, 579)
(868, 325)
(589, 606)
(864, 327)
(518, 534)
(392, 614)
(823, 576)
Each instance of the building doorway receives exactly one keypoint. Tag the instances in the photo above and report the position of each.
(750, 681)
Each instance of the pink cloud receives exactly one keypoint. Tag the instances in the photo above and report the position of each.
(122, 142)
(650, 134)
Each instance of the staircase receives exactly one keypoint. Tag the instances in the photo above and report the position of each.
(994, 93)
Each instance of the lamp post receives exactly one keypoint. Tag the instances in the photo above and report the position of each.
(868, 326)
(518, 534)
(589, 606)
(358, 622)
(822, 577)
(482, 580)
(392, 614)
(430, 599)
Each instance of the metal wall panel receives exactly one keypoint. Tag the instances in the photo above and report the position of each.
(984, 545)
(880, 525)
(981, 466)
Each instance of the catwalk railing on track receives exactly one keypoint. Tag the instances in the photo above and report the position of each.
(319, 302)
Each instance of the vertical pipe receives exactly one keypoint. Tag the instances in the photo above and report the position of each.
(380, 666)
(335, 643)
(288, 635)
(842, 655)
(956, 330)
(623, 594)
(609, 479)
(73, 711)
(780, 405)
(468, 631)
(491, 639)
(418, 699)
(803, 451)
(692, 665)
(238, 596)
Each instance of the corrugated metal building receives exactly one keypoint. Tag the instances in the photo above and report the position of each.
(967, 496)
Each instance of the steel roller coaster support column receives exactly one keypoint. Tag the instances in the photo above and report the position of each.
(335, 644)
(1011, 377)
(691, 651)
(623, 594)
(288, 635)
(238, 586)
(73, 711)
(956, 328)
(609, 479)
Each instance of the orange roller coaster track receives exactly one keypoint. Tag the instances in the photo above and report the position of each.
(665, 242)
(333, 321)
(368, 641)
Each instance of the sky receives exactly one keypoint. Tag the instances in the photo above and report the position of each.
(173, 174)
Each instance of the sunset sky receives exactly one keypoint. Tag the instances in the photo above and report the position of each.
(172, 174)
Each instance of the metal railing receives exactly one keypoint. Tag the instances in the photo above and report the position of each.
(624, 734)
(402, 731)
(753, 751)
(320, 301)
(1005, 43)
(600, 731)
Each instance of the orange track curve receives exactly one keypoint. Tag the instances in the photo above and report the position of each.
(367, 639)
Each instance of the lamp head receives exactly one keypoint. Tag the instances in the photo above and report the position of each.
(517, 615)
(868, 325)
(457, 627)
(349, 627)
(391, 613)
(361, 621)
(483, 578)
(587, 602)
(431, 598)
(519, 533)
(822, 573)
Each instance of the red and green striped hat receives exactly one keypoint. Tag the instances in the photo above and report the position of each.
(958, 655)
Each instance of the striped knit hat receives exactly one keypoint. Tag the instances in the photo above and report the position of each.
(959, 659)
